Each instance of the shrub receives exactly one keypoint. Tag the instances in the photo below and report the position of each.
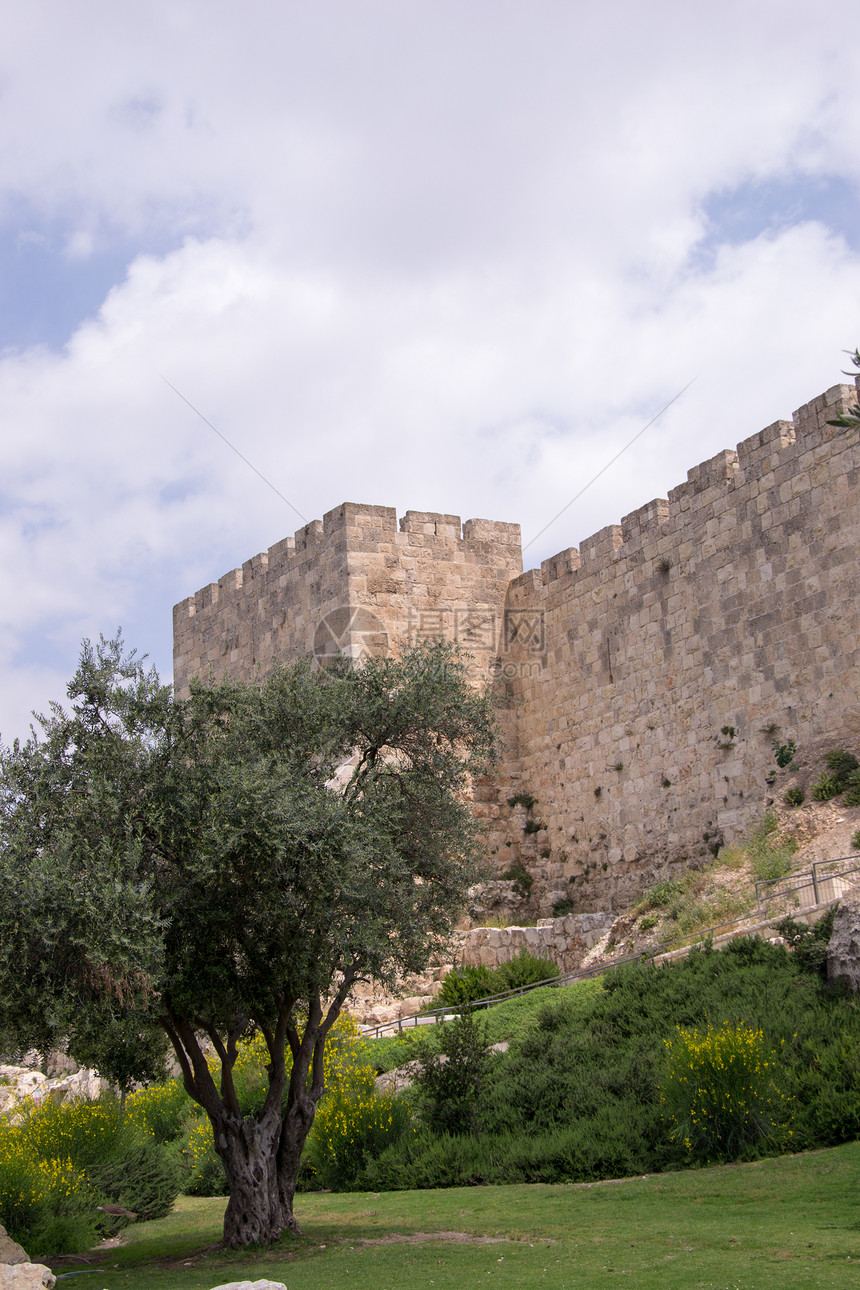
(160, 1109)
(451, 1079)
(523, 799)
(794, 796)
(563, 907)
(770, 856)
(467, 985)
(205, 1174)
(855, 840)
(719, 1092)
(464, 985)
(524, 968)
(809, 944)
(523, 881)
(121, 1160)
(142, 1177)
(852, 789)
(663, 894)
(841, 764)
(49, 1206)
(352, 1127)
(784, 753)
(828, 786)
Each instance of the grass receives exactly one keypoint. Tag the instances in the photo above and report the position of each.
(506, 1020)
(776, 1224)
(702, 898)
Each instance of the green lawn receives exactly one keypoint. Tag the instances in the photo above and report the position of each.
(781, 1223)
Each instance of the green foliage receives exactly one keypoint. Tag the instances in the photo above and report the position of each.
(784, 753)
(563, 907)
(143, 1177)
(794, 796)
(203, 1169)
(719, 1092)
(123, 1163)
(523, 799)
(662, 895)
(841, 763)
(523, 881)
(577, 1095)
(855, 840)
(451, 1078)
(851, 792)
(165, 860)
(769, 855)
(160, 1109)
(467, 985)
(842, 776)
(523, 969)
(809, 944)
(463, 985)
(47, 1205)
(533, 826)
(827, 787)
(352, 1128)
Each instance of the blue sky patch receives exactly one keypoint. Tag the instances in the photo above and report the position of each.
(743, 213)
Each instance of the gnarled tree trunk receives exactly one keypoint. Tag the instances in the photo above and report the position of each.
(256, 1212)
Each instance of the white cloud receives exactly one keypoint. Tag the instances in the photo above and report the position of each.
(446, 256)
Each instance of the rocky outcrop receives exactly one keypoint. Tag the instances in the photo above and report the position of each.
(26, 1276)
(19, 1082)
(843, 951)
(11, 1251)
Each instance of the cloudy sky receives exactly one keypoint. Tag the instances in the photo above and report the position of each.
(433, 254)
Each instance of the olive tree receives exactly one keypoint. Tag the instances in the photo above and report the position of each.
(232, 863)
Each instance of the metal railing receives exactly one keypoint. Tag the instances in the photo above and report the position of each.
(823, 884)
(826, 881)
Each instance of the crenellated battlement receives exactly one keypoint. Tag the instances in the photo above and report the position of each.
(733, 604)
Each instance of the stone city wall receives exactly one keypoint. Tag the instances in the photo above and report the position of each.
(352, 583)
(646, 674)
(674, 648)
(566, 941)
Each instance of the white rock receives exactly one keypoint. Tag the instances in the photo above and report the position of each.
(11, 1251)
(251, 1285)
(26, 1276)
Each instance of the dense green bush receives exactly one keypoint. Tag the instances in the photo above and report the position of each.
(121, 1161)
(842, 776)
(453, 1075)
(577, 1095)
(353, 1126)
(48, 1206)
(470, 984)
(809, 944)
(161, 1109)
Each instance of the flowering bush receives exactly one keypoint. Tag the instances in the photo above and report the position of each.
(160, 1109)
(120, 1160)
(720, 1094)
(353, 1125)
(45, 1204)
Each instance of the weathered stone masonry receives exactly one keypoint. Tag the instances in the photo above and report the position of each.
(646, 674)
